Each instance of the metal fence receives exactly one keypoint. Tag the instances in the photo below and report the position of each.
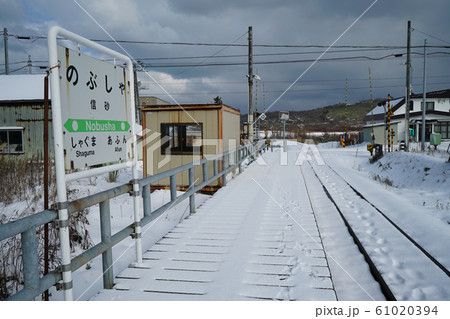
(34, 285)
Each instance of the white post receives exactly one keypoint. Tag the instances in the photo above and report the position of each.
(59, 165)
(61, 178)
(424, 94)
(136, 198)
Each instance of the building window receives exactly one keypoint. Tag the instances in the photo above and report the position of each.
(430, 106)
(443, 128)
(11, 140)
(182, 139)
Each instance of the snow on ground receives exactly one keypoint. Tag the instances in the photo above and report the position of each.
(411, 188)
(421, 179)
(87, 281)
(256, 238)
(282, 185)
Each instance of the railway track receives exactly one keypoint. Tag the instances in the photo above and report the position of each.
(402, 267)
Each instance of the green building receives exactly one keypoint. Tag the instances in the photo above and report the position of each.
(22, 117)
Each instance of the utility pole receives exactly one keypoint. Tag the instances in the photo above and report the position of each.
(256, 137)
(250, 84)
(29, 64)
(265, 118)
(344, 138)
(371, 108)
(136, 98)
(389, 122)
(408, 86)
(424, 94)
(5, 40)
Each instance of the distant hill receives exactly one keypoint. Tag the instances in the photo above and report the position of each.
(325, 119)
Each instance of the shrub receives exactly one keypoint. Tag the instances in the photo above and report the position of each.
(22, 180)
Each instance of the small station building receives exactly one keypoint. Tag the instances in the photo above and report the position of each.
(175, 135)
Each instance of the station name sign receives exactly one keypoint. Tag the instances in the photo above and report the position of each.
(95, 110)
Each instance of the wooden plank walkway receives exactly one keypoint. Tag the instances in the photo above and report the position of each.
(240, 245)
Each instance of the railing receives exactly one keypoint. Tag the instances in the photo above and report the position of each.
(34, 285)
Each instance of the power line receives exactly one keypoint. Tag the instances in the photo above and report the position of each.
(335, 59)
(304, 81)
(260, 54)
(12, 71)
(349, 58)
(208, 57)
(296, 90)
(431, 36)
(34, 37)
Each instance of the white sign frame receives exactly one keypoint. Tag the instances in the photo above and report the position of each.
(61, 177)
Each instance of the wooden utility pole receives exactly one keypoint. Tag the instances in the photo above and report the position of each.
(389, 122)
(137, 101)
(408, 86)
(250, 84)
(5, 39)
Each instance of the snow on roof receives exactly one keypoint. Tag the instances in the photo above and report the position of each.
(138, 129)
(379, 109)
(22, 87)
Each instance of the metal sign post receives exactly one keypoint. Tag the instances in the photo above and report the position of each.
(93, 119)
(284, 115)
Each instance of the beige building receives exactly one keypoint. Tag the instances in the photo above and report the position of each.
(175, 135)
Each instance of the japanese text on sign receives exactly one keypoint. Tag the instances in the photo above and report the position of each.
(95, 100)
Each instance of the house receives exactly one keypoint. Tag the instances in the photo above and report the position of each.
(176, 135)
(437, 118)
(22, 117)
(375, 123)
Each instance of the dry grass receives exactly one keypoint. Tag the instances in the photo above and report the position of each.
(22, 182)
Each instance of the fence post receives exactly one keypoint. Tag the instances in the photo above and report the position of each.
(215, 167)
(191, 186)
(30, 259)
(240, 155)
(146, 199)
(105, 231)
(224, 178)
(173, 187)
(205, 171)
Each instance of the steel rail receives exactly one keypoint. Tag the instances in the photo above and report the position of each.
(388, 294)
(423, 250)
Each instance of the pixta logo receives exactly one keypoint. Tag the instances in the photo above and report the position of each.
(307, 152)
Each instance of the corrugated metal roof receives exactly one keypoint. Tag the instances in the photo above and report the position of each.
(22, 87)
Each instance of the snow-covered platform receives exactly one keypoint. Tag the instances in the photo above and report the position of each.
(255, 239)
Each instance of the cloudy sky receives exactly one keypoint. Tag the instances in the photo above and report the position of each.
(197, 49)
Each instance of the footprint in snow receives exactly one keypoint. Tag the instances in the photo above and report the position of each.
(397, 264)
(371, 232)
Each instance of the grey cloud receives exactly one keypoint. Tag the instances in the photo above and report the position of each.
(274, 22)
